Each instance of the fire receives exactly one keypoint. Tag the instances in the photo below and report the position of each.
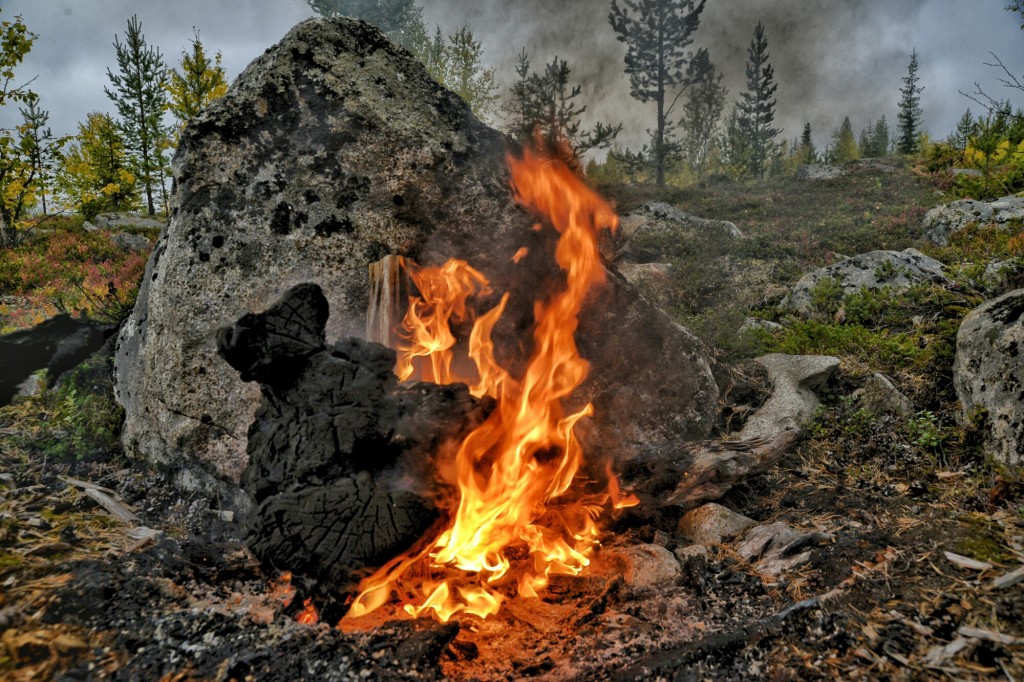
(514, 469)
(308, 615)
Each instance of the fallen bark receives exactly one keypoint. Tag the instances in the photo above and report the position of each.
(703, 472)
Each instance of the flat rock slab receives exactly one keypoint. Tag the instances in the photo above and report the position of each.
(988, 373)
(795, 382)
(896, 270)
(644, 230)
(330, 151)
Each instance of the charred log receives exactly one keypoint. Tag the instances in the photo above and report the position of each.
(341, 457)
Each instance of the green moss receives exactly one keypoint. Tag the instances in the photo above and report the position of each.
(79, 420)
(10, 560)
(983, 543)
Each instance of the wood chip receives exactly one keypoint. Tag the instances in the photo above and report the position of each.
(967, 562)
(988, 635)
(49, 549)
(912, 624)
(1009, 580)
(86, 485)
(113, 506)
(141, 536)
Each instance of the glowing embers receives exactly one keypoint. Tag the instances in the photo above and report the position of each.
(513, 471)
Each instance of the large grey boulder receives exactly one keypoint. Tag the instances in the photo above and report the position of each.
(331, 150)
(897, 270)
(652, 280)
(649, 232)
(988, 373)
(796, 379)
(942, 221)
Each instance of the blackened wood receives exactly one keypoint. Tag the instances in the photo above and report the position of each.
(341, 456)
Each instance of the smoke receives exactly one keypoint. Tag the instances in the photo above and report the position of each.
(831, 59)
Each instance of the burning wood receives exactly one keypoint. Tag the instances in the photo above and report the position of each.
(514, 470)
(340, 455)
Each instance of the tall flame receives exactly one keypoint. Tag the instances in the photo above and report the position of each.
(511, 469)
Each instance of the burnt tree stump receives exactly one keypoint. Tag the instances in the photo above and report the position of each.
(342, 458)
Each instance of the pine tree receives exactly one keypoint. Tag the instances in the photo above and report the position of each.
(657, 34)
(465, 74)
(141, 99)
(200, 81)
(757, 104)
(806, 151)
(544, 107)
(909, 116)
(518, 114)
(41, 148)
(845, 144)
(702, 115)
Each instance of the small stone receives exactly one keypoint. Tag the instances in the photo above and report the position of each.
(649, 565)
(713, 524)
(879, 396)
(684, 554)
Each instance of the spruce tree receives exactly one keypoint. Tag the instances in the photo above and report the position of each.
(657, 34)
(807, 152)
(140, 97)
(909, 116)
(756, 109)
(880, 139)
(965, 127)
(845, 145)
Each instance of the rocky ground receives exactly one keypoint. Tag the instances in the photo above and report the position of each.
(909, 568)
(886, 543)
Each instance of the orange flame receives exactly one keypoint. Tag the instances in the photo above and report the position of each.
(514, 467)
(308, 615)
(282, 589)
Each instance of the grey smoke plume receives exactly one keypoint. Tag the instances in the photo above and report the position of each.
(832, 58)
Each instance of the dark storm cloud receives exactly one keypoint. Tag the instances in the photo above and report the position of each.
(832, 58)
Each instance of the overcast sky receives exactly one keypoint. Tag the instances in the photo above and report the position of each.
(832, 58)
